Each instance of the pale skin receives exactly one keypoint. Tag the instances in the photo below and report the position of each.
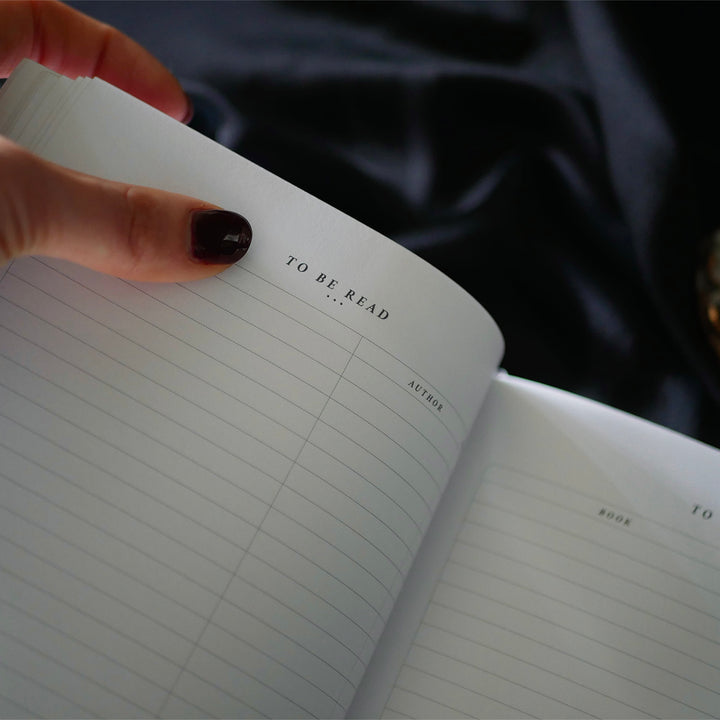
(129, 231)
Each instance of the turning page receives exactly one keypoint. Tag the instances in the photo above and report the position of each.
(573, 570)
(210, 493)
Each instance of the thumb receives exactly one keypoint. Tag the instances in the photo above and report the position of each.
(133, 232)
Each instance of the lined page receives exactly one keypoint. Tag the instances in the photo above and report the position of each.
(584, 593)
(211, 493)
(241, 517)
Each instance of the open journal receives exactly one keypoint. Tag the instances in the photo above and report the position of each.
(304, 489)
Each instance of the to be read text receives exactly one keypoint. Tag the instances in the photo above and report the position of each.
(339, 294)
(703, 512)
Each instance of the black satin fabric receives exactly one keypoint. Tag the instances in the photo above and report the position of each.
(558, 160)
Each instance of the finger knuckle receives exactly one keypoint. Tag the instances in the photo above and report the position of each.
(14, 219)
(140, 226)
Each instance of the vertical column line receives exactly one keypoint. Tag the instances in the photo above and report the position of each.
(257, 530)
(4, 271)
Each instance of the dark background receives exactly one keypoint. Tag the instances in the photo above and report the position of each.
(558, 160)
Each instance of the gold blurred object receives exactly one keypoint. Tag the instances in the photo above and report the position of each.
(708, 285)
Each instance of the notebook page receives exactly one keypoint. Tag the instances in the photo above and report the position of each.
(37, 91)
(211, 493)
(584, 580)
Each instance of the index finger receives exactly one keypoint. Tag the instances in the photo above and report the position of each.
(74, 44)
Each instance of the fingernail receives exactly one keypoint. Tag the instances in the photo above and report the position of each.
(219, 236)
(189, 112)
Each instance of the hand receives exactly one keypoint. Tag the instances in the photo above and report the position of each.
(132, 232)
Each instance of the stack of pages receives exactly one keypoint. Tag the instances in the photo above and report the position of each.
(304, 489)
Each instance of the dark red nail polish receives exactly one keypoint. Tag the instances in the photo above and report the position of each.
(219, 236)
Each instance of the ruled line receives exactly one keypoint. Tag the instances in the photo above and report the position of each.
(35, 681)
(305, 587)
(172, 335)
(353, 561)
(56, 629)
(265, 331)
(576, 658)
(339, 322)
(244, 552)
(155, 382)
(391, 712)
(236, 573)
(184, 701)
(484, 670)
(619, 553)
(474, 691)
(426, 407)
(135, 399)
(267, 592)
(212, 330)
(592, 590)
(104, 561)
(380, 460)
(572, 630)
(187, 637)
(223, 390)
(459, 417)
(345, 525)
(353, 500)
(203, 380)
(172, 449)
(391, 439)
(517, 658)
(174, 392)
(262, 527)
(435, 701)
(440, 454)
(369, 605)
(632, 513)
(275, 538)
(8, 701)
(170, 420)
(254, 437)
(242, 701)
(92, 618)
(107, 472)
(596, 592)
(275, 659)
(366, 479)
(295, 298)
(69, 669)
(131, 639)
